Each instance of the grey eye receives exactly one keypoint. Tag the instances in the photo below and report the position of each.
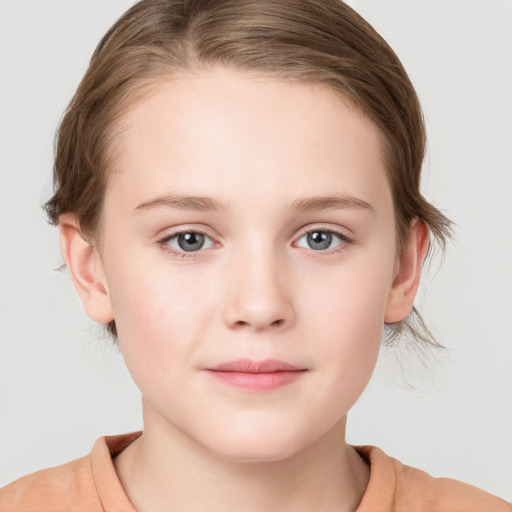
(190, 241)
(320, 240)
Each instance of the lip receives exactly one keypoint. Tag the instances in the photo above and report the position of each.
(252, 375)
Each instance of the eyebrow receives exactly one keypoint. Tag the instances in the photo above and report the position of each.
(305, 205)
(182, 202)
(329, 202)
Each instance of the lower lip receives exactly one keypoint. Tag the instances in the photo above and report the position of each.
(257, 381)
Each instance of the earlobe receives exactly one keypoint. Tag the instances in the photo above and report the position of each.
(407, 277)
(86, 270)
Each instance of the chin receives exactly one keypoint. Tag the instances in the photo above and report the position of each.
(261, 452)
(257, 444)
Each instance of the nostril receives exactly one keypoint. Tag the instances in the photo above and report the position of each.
(240, 324)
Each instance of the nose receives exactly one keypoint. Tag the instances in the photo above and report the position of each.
(259, 295)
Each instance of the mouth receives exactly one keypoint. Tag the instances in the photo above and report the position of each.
(250, 375)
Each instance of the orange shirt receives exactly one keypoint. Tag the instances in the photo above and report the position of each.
(90, 484)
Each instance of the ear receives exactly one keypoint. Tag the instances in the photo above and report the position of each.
(408, 271)
(86, 269)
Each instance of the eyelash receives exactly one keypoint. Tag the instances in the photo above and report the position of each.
(344, 239)
(164, 243)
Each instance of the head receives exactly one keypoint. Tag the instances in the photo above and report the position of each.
(178, 86)
(314, 42)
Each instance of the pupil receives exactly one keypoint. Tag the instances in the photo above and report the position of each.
(319, 240)
(190, 241)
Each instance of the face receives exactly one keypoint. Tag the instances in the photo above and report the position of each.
(248, 227)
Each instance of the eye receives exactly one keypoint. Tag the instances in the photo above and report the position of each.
(188, 241)
(322, 240)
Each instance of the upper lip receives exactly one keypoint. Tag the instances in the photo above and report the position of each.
(250, 366)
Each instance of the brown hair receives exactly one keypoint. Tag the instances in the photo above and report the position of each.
(306, 41)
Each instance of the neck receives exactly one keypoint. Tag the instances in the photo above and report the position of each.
(165, 470)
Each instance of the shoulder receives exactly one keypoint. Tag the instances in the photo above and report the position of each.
(88, 484)
(65, 487)
(408, 489)
(444, 494)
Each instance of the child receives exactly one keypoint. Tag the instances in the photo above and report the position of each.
(237, 198)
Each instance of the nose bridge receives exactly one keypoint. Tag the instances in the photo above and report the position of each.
(258, 295)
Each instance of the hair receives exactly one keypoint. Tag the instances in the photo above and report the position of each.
(304, 41)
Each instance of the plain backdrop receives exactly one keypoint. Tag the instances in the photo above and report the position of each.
(62, 385)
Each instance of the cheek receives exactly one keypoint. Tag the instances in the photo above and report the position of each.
(156, 309)
(350, 312)
(352, 299)
(156, 322)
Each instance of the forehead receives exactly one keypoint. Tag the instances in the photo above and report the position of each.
(236, 134)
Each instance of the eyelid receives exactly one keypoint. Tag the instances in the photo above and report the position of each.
(166, 247)
(182, 229)
(339, 232)
(322, 227)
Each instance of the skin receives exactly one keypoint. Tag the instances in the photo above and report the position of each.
(257, 289)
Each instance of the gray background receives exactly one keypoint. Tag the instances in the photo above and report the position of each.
(62, 385)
